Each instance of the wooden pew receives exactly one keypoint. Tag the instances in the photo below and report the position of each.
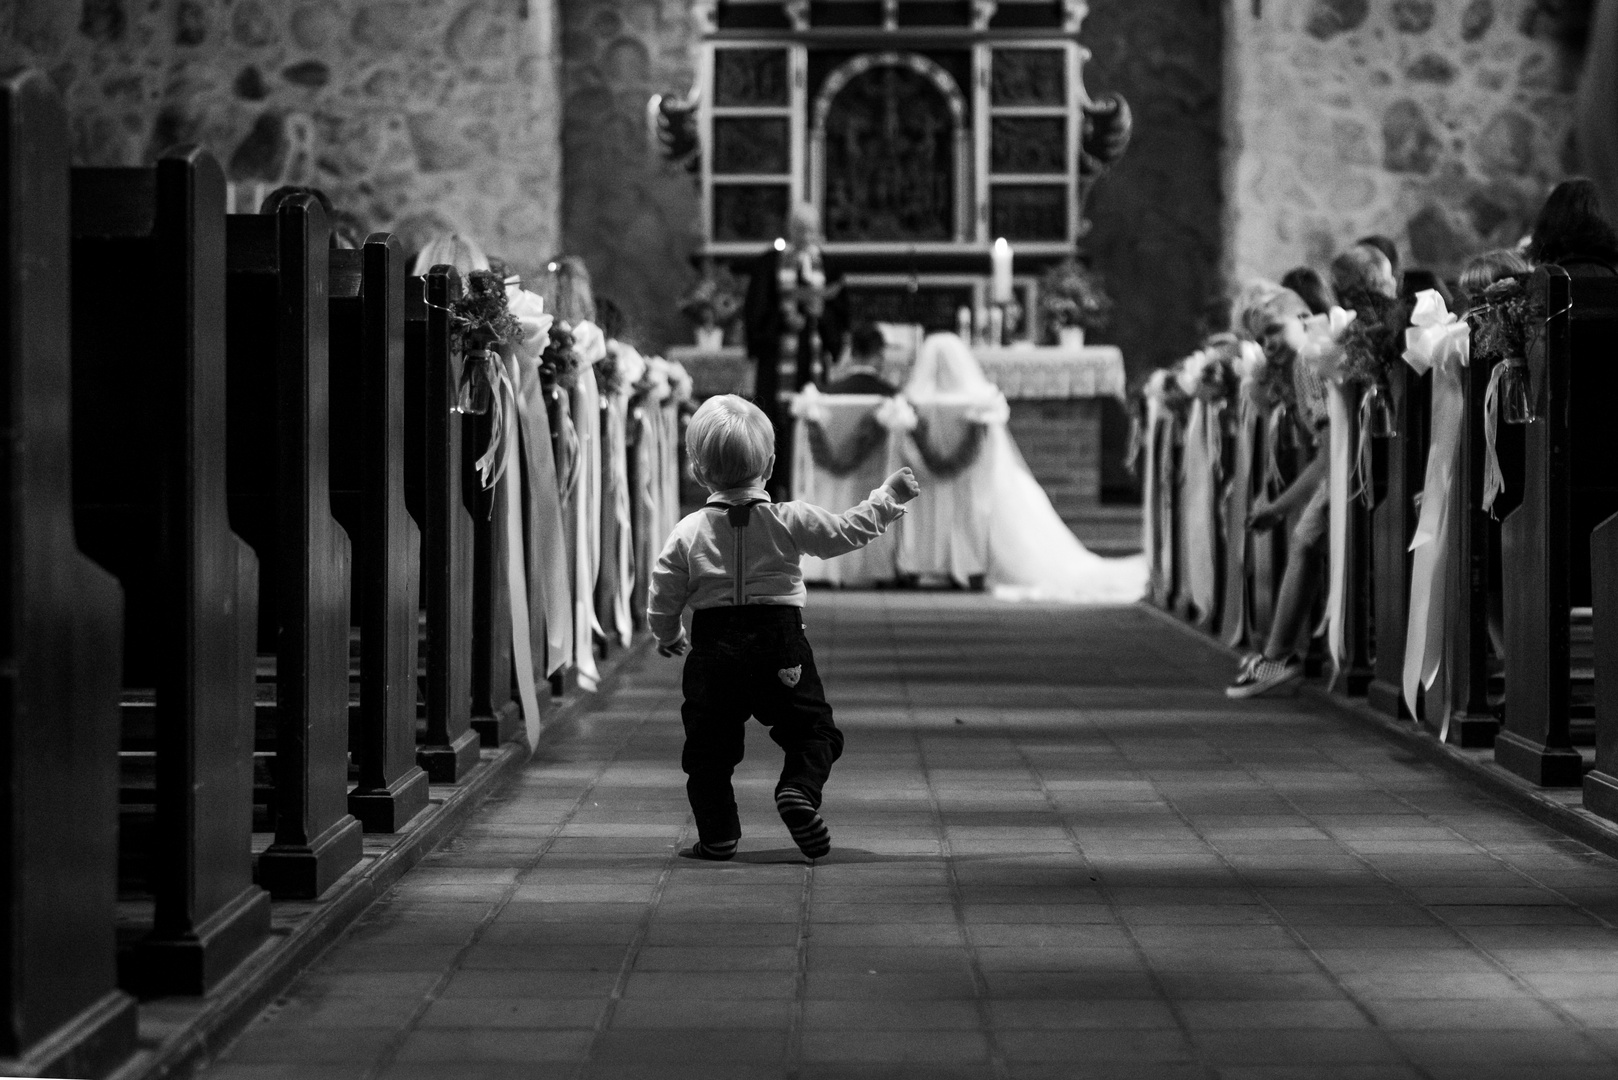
(149, 466)
(1355, 676)
(62, 1013)
(1461, 691)
(1168, 527)
(280, 501)
(1269, 549)
(1601, 782)
(496, 715)
(1393, 524)
(433, 479)
(1568, 487)
(1246, 441)
(368, 499)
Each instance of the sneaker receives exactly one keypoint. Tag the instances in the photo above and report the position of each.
(1244, 670)
(1262, 676)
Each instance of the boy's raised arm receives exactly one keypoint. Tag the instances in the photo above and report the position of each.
(825, 535)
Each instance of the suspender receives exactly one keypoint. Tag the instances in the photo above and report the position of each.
(740, 517)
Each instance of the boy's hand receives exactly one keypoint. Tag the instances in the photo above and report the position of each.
(903, 486)
(676, 647)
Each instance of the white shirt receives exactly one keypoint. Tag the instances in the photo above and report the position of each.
(696, 568)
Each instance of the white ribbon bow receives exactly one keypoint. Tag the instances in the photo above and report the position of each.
(589, 342)
(1437, 336)
(1320, 344)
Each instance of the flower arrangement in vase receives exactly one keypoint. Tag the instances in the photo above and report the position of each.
(1501, 328)
(1073, 300)
(713, 304)
(480, 324)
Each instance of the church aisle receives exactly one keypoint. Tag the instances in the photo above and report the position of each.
(1058, 852)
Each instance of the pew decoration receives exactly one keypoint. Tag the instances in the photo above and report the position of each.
(1207, 380)
(481, 324)
(1525, 663)
(1440, 342)
(1503, 326)
(871, 433)
(559, 363)
(948, 464)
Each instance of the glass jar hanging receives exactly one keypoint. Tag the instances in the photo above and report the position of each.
(1516, 393)
(475, 395)
(1376, 411)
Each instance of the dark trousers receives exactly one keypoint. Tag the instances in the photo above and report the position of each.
(746, 662)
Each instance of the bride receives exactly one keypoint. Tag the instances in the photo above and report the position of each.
(1031, 553)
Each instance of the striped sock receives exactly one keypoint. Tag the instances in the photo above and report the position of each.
(713, 851)
(807, 827)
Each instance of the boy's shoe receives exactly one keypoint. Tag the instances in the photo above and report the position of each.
(805, 824)
(1260, 676)
(714, 852)
(1244, 668)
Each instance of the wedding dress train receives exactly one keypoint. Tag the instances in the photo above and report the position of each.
(1032, 555)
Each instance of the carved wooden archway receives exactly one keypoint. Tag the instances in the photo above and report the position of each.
(941, 80)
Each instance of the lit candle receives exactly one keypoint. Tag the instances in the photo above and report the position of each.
(1000, 282)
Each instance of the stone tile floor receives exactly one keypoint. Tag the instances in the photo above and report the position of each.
(1059, 852)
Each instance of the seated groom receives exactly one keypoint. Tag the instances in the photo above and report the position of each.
(861, 373)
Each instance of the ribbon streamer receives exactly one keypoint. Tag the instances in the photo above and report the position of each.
(1439, 342)
(1494, 481)
(1198, 487)
(1341, 462)
(1148, 503)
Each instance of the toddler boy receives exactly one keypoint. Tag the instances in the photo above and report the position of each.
(735, 564)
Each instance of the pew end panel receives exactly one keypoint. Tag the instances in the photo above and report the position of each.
(279, 333)
(149, 341)
(496, 715)
(368, 499)
(60, 1009)
(1460, 694)
(1393, 525)
(1601, 782)
(1566, 488)
(450, 747)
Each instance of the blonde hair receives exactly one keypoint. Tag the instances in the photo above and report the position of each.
(1363, 268)
(730, 442)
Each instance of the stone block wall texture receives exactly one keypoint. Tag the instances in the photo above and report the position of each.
(1440, 123)
(630, 215)
(413, 115)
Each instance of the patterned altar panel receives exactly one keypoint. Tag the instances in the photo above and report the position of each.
(1028, 77)
(750, 77)
(752, 144)
(1028, 211)
(890, 159)
(932, 306)
(1028, 144)
(749, 211)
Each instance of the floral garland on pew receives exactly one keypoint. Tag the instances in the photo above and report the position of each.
(1504, 327)
(869, 437)
(481, 324)
(950, 465)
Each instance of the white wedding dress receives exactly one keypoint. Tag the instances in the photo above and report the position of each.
(1031, 553)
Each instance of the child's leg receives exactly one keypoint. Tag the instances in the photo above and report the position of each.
(715, 715)
(794, 708)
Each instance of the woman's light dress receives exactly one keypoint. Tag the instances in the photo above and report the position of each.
(1031, 553)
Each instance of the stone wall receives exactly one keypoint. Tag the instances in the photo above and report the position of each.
(1441, 123)
(414, 115)
(633, 217)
